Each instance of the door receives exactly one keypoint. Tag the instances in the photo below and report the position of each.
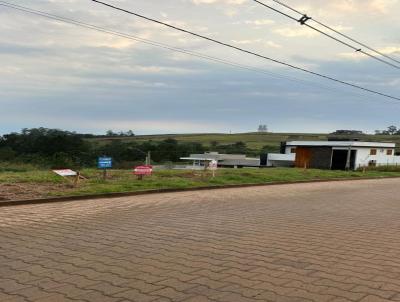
(303, 157)
(339, 159)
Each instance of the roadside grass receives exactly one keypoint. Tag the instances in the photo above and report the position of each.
(16, 167)
(395, 168)
(125, 181)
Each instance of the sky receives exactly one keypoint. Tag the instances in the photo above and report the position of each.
(59, 75)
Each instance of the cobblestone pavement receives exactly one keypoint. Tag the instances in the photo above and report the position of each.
(318, 242)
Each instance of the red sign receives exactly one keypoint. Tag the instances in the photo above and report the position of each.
(143, 170)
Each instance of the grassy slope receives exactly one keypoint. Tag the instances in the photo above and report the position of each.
(254, 141)
(124, 181)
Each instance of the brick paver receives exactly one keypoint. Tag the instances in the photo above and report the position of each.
(325, 242)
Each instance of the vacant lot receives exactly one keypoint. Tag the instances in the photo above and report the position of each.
(32, 183)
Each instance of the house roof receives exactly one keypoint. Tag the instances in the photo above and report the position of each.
(340, 144)
(197, 158)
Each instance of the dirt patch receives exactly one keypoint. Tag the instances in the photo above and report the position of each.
(18, 191)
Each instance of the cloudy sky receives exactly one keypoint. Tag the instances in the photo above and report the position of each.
(58, 75)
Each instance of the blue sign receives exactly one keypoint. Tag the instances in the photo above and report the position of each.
(104, 163)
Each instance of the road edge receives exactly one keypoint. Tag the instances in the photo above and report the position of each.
(173, 190)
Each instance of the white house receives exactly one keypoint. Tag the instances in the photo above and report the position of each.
(339, 155)
(334, 155)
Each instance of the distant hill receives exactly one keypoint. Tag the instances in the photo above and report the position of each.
(254, 140)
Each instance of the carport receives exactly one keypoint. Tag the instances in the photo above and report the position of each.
(324, 158)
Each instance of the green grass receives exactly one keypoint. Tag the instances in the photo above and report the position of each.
(254, 141)
(16, 167)
(124, 181)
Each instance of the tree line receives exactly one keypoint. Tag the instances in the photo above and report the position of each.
(391, 130)
(59, 149)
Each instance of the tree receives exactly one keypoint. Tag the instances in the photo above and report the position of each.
(110, 133)
(130, 133)
(270, 149)
(6, 153)
(391, 130)
(214, 144)
(44, 143)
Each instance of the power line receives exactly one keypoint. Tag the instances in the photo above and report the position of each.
(158, 44)
(338, 32)
(161, 45)
(305, 18)
(164, 46)
(247, 51)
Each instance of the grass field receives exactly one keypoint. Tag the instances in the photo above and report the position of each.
(41, 183)
(254, 141)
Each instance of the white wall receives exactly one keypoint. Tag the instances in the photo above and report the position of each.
(382, 159)
(288, 150)
(281, 160)
(364, 156)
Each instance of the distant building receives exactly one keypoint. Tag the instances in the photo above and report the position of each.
(330, 155)
(262, 128)
(223, 160)
(277, 160)
(339, 155)
(347, 132)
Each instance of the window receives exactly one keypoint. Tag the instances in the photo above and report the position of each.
(373, 152)
(293, 150)
(389, 152)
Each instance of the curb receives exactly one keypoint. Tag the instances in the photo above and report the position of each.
(158, 191)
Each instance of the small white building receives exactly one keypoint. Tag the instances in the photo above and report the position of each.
(223, 160)
(339, 155)
(277, 160)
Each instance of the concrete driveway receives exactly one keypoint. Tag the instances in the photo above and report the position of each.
(320, 242)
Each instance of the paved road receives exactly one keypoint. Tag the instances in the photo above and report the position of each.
(320, 242)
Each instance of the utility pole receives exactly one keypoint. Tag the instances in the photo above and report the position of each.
(148, 158)
(148, 155)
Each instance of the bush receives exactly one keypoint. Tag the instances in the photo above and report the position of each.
(7, 153)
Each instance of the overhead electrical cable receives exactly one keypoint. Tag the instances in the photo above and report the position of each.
(247, 51)
(175, 49)
(338, 32)
(303, 21)
(161, 45)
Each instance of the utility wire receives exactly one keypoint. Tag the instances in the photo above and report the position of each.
(160, 45)
(247, 51)
(338, 32)
(305, 18)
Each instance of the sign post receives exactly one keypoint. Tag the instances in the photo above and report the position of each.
(68, 174)
(213, 166)
(104, 163)
(141, 171)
